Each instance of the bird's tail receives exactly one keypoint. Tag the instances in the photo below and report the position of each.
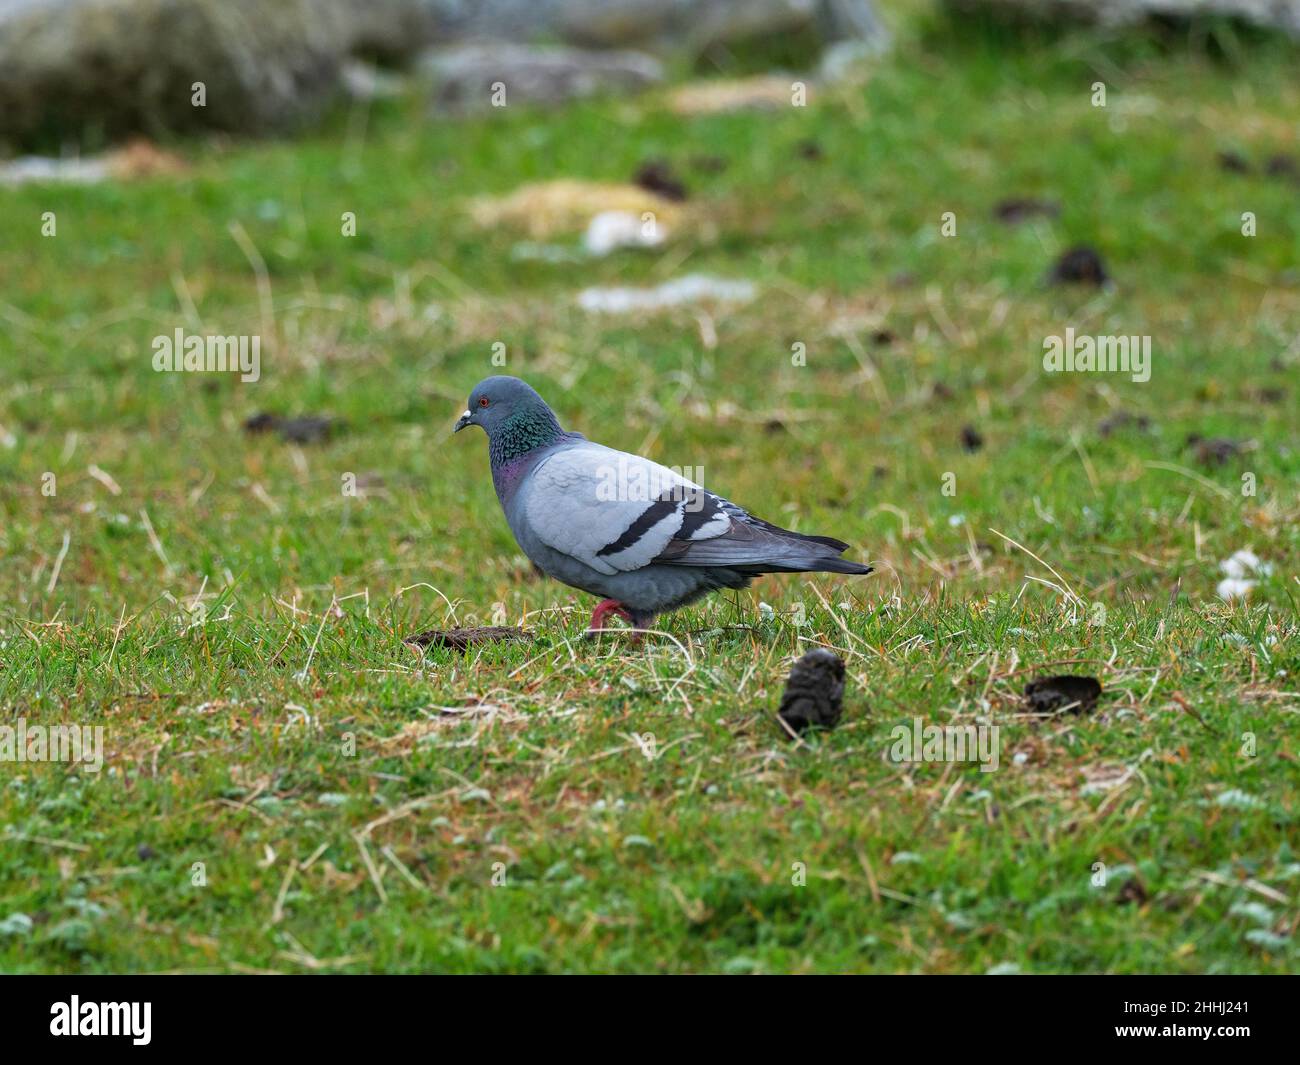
(840, 565)
(753, 547)
(802, 553)
(812, 564)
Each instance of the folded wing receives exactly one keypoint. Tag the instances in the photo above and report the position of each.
(618, 513)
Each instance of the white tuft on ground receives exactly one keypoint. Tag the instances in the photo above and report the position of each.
(534, 251)
(42, 170)
(611, 230)
(138, 158)
(694, 288)
(1239, 572)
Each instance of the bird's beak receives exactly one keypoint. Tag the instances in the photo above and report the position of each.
(465, 419)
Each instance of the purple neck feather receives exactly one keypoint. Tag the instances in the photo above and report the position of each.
(506, 477)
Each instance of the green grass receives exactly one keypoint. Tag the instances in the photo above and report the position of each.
(286, 721)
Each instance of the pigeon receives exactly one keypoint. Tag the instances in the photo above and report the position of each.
(638, 535)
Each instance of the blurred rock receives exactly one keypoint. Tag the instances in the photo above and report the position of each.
(843, 59)
(662, 25)
(465, 77)
(1277, 14)
(124, 66)
(117, 67)
(365, 81)
(394, 28)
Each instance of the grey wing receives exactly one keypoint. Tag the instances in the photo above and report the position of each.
(616, 512)
(612, 511)
(743, 541)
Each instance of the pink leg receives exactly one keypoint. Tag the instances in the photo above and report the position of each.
(605, 608)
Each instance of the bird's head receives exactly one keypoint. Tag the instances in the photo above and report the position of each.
(498, 400)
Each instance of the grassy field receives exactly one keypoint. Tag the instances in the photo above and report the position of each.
(288, 786)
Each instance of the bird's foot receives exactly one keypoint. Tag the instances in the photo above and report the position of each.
(603, 610)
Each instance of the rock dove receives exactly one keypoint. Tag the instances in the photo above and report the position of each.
(637, 534)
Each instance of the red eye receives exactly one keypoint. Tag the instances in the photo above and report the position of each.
(483, 402)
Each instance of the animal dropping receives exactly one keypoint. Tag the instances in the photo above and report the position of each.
(814, 691)
(1050, 695)
(463, 639)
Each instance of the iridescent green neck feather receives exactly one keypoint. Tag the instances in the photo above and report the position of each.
(526, 429)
